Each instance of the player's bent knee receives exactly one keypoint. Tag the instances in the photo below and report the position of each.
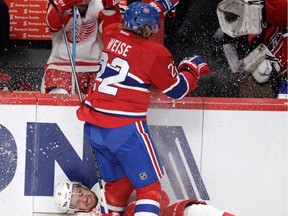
(118, 192)
(148, 199)
(151, 191)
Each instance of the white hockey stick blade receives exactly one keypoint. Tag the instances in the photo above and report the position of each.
(231, 56)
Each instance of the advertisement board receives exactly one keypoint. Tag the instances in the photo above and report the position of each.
(232, 153)
(28, 20)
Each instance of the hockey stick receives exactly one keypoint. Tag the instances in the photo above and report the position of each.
(234, 62)
(99, 180)
(98, 174)
(74, 46)
(231, 56)
(68, 49)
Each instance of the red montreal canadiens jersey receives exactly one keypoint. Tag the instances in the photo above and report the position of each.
(130, 65)
(276, 12)
(276, 35)
(276, 40)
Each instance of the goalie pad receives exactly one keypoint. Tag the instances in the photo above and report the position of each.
(237, 17)
(260, 63)
(231, 56)
(177, 209)
(204, 210)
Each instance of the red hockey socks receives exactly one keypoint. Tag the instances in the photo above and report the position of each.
(117, 194)
(148, 199)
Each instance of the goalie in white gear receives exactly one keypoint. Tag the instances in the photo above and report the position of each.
(260, 62)
(267, 63)
(239, 17)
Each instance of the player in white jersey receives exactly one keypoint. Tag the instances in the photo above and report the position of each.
(91, 17)
(73, 196)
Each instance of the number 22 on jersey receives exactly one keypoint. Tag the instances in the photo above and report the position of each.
(111, 74)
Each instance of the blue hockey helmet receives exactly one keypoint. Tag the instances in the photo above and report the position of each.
(139, 14)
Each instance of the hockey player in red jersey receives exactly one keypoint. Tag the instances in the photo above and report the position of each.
(115, 108)
(92, 16)
(265, 23)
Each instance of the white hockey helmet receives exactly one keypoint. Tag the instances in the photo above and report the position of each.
(63, 194)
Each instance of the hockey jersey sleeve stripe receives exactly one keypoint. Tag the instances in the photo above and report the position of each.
(172, 86)
(117, 112)
(79, 68)
(132, 88)
(130, 82)
(179, 89)
(135, 78)
(80, 63)
(133, 82)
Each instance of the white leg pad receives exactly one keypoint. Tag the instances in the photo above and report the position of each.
(202, 210)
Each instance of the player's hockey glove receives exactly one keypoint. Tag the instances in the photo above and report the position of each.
(64, 5)
(108, 16)
(194, 65)
(163, 6)
(110, 4)
(261, 63)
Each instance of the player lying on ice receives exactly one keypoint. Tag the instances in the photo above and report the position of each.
(74, 197)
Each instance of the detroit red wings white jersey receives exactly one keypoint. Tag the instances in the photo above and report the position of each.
(88, 42)
(130, 65)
